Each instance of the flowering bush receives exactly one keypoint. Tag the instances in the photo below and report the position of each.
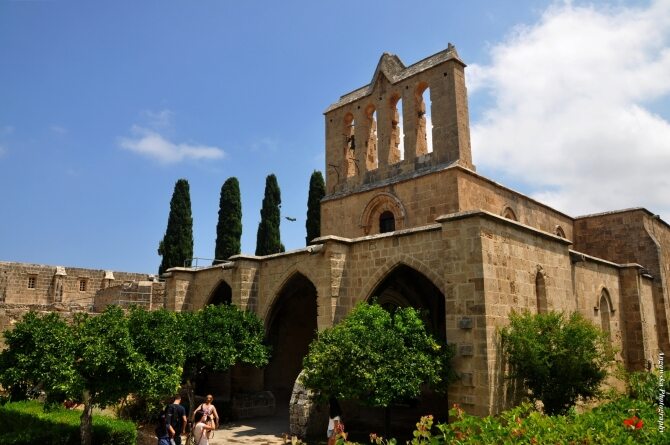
(622, 421)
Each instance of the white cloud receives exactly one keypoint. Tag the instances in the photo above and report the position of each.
(58, 129)
(158, 119)
(571, 110)
(151, 144)
(6, 130)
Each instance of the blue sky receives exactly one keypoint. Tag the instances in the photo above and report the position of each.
(104, 105)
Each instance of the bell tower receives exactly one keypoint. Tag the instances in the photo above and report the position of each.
(409, 121)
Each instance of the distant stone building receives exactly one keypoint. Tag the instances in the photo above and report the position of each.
(40, 287)
(407, 220)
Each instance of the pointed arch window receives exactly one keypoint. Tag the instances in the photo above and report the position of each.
(424, 125)
(396, 148)
(349, 145)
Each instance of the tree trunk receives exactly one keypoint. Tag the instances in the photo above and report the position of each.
(86, 420)
(191, 398)
(387, 422)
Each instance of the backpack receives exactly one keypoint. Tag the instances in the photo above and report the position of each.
(171, 414)
(161, 427)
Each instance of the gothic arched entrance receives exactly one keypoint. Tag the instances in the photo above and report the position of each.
(405, 286)
(222, 294)
(290, 328)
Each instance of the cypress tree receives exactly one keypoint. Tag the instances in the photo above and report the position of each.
(229, 227)
(317, 190)
(176, 248)
(268, 239)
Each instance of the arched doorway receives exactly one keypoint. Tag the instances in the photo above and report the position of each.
(405, 286)
(222, 294)
(217, 383)
(290, 328)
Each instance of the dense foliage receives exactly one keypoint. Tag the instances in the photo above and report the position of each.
(27, 423)
(176, 248)
(558, 358)
(229, 227)
(100, 360)
(317, 190)
(268, 239)
(376, 357)
(648, 386)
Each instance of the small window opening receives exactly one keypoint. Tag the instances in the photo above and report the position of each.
(32, 281)
(605, 311)
(82, 285)
(509, 214)
(386, 222)
(560, 232)
(540, 293)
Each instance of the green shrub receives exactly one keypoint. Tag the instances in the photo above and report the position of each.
(28, 423)
(645, 385)
(558, 358)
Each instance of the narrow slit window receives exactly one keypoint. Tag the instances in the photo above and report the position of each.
(32, 281)
(82, 285)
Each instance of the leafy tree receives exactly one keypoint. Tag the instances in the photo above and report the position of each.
(94, 361)
(229, 227)
(157, 337)
(218, 337)
(317, 190)
(176, 248)
(376, 357)
(40, 353)
(558, 358)
(268, 239)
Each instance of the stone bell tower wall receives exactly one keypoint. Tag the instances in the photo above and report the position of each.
(364, 128)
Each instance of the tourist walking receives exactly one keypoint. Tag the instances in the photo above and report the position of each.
(175, 417)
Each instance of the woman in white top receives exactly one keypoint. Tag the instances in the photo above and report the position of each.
(200, 429)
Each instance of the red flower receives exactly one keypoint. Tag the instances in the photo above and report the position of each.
(633, 423)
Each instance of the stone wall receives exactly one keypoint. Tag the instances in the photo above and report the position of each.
(478, 193)
(23, 283)
(415, 202)
(632, 236)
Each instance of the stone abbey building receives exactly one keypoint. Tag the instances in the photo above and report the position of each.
(406, 219)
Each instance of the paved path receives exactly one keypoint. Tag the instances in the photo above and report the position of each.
(260, 431)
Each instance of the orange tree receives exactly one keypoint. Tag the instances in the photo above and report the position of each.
(377, 357)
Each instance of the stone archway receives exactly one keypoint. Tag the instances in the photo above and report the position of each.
(222, 294)
(290, 327)
(404, 286)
